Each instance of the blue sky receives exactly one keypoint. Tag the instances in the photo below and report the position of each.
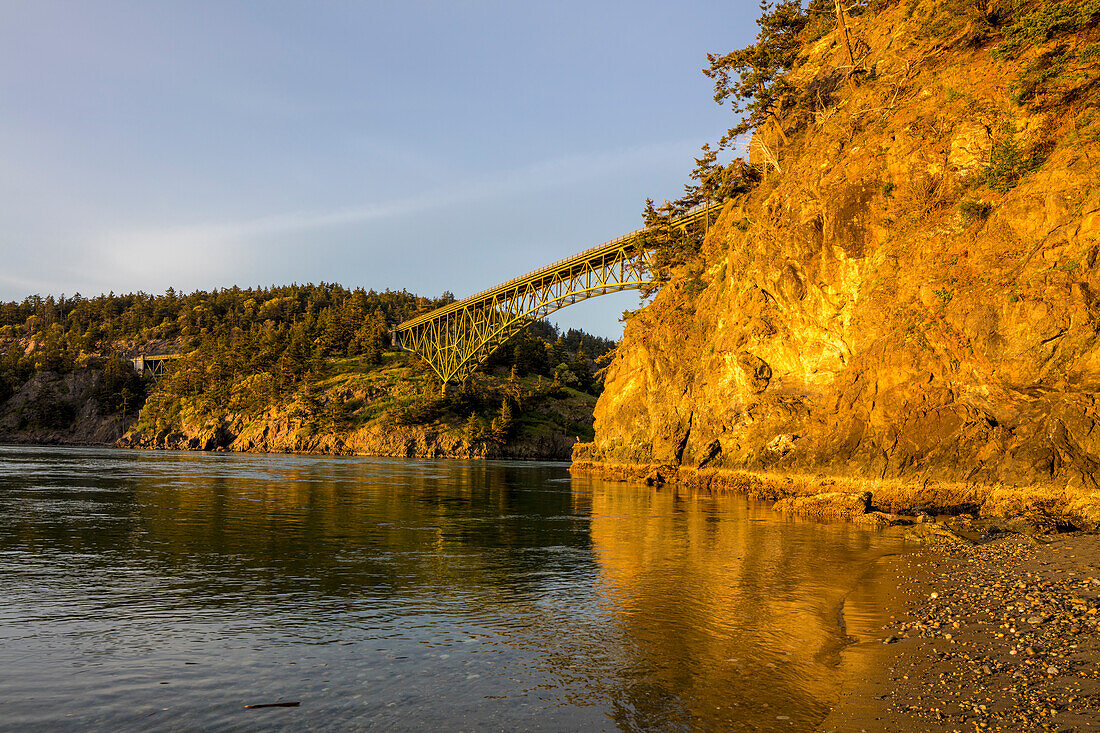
(423, 145)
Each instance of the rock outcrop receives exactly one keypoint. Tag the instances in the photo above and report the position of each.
(51, 408)
(276, 432)
(831, 505)
(886, 307)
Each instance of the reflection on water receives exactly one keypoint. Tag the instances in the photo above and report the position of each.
(147, 590)
(733, 615)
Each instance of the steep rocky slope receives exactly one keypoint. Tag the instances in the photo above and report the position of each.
(909, 301)
(278, 431)
(52, 408)
(89, 399)
(390, 410)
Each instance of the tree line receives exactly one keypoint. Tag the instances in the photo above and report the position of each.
(245, 348)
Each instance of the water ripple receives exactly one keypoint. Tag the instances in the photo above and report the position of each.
(149, 591)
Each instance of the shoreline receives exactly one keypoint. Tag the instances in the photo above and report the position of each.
(323, 453)
(872, 600)
(991, 623)
(1000, 635)
(1061, 505)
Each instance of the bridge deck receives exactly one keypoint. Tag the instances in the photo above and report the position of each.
(553, 270)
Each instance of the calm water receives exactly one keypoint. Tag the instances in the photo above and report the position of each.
(166, 591)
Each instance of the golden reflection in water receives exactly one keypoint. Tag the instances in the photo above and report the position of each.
(735, 612)
(499, 595)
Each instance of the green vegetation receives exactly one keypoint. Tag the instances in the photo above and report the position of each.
(1051, 41)
(276, 334)
(1009, 162)
(753, 79)
(673, 245)
(1045, 22)
(319, 352)
(1038, 72)
(971, 211)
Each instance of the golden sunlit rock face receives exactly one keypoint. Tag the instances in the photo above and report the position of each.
(776, 593)
(885, 304)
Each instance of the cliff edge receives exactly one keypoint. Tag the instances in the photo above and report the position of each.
(908, 300)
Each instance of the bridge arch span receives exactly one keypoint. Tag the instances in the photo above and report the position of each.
(457, 338)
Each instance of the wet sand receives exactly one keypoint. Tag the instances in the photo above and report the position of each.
(1000, 635)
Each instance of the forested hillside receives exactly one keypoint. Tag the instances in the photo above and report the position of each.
(317, 355)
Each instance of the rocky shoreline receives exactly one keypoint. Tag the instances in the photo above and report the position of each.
(994, 619)
(839, 497)
(996, 635)
(277, 432)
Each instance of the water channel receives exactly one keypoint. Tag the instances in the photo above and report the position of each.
(166, 591)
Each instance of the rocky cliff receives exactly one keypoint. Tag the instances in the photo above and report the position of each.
(52, 408)
(390, 410)
(276, 431)
(909, 300)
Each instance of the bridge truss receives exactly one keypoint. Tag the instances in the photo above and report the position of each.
(459, 337)
(154, 366)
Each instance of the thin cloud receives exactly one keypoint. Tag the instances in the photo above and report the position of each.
(187, 251)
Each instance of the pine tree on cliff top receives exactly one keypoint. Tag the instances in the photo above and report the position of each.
(753, 78)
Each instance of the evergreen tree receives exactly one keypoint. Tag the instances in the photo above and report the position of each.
(336, 414)
(309, 404)
(474, 428)
(503, 423)
(753, 79)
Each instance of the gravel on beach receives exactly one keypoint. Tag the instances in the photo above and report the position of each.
(999, 636)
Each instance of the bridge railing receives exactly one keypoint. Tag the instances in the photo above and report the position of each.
(687, 218)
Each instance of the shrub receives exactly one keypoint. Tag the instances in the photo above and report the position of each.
(1036, 73)
(694, 285)
(971, 211)
(422, 409)
(1008, 163)
(1050, 19)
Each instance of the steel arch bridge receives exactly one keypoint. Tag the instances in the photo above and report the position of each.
(458, 337)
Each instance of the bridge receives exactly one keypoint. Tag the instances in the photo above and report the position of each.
(153, 366)
(456, 338)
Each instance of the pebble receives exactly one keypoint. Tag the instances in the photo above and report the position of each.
(1022, 633)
